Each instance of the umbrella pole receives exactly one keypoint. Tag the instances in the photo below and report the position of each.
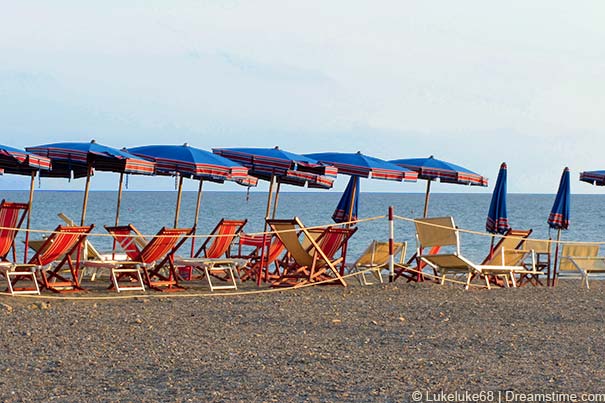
(118, 204)
(276, 199)
(178, 202)
(553, 281)
(32, 184)
(86, 189)
(350, 218)
(262, 253)
(197, 215)
(426, 198)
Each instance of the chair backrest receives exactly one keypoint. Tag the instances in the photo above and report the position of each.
(334, 239)
(576, 250)
(11, 218)
(538, 245)
(377, 254)
(91, 252)
(63, 241)
(436, 231)
(125, 236)
(513, 239)
(163, 243)
(219, 243)
(287, 232)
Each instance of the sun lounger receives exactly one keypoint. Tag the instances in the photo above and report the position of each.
(581, 259)
(322, 260)
(157, 255)
(213, 259)
(52, 257)
(442, 232)
(376, 258)
(11, 219)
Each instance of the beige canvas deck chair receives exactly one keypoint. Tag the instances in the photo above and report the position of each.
(441, 231)
(314, 263)
(581, 259)
(375, 259)
(541, 250)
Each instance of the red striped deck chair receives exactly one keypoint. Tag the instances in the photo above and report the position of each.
(11, 218)
(252, 269)
(214, 259)
(316, 262)
(53, 257)
(157, 255)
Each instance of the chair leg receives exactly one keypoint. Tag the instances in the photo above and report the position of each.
(512, 279)
(486, 277)
(14, 291)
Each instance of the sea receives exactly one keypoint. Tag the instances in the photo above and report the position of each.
(151, 210)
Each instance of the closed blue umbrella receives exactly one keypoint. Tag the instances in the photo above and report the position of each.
(431, 169)
(559, 214)
(346, 210)
(497, 217)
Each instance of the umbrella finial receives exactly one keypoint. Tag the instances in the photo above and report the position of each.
(359, 152)
(185, 144)
(503, 165)
(431, 156)
(93, 141)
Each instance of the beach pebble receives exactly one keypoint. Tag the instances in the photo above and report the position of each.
(6, 307)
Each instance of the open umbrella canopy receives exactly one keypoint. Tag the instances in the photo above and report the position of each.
(596, 178)
(559, 214)
(287, 167)
(432, 169)
(74, 158)
(190, 161)
(497, 217)
(358, 164)
(20, 162)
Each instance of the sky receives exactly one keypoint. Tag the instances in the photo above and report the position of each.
(473, 82)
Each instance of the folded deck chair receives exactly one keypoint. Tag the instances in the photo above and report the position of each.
(541, 250)
(376, 258)
(252, 269)
(442, 232)
(213, 259)
(52, 257)
(315, 263)
(512, 239)
(11, 218)
(158, 254)
(581, 259)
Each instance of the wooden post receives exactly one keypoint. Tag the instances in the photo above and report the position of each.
(391, 244)
(426, 199)
(197, 215)
(86, 189)
(262, 254)
(553, 282)
(118, 204)
(178, 202)
(276, 199)
(32, 184)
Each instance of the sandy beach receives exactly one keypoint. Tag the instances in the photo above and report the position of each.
(319, 344)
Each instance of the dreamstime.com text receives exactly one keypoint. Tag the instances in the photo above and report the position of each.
(504, 397)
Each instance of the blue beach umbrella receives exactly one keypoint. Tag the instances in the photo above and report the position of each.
(431, 169)
(559, 214)
(359, 165)
(21, 162)
(596, 178)
(346, 210)
(80, 159)
(497, 217)
(186, 161)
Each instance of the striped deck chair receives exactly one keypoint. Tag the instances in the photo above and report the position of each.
(11, 218)
(581, 259)
(157, 255)
(318, 261)
(54, 255)
(252, 269)
(213, 259)
(376, 258)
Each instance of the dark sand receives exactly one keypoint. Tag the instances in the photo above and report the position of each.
(320, 344)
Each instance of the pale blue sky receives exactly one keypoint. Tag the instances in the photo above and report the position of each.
(473, 82)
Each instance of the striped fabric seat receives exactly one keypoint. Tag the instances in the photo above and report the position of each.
(52, 259)
(253, 268)
(156, 255)
(11, 218)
